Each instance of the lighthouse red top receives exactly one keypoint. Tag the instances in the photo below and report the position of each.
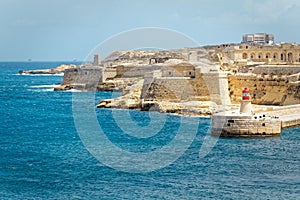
(246, 94)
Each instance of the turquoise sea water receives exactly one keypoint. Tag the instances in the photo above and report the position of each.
(43, 157)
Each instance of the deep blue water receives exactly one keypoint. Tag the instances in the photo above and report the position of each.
(43, 157)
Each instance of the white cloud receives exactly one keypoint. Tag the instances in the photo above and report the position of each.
(268, 11)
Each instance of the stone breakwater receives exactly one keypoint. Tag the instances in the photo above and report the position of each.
(288, 115)
(265, 121)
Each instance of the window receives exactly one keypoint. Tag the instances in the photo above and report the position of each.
(230, 121)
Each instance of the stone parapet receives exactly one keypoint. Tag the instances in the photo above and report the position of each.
(228, 124)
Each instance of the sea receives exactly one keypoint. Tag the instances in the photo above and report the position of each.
(58, 145)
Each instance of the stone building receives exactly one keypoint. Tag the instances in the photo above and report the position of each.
(281, 53)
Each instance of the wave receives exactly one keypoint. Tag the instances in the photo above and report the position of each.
(72, 90)
(43, 86)
(42, 90)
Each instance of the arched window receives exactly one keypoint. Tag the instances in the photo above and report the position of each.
(245, 56)
(259, 56)
(275, 55)
(290, 57)
(268, 55)
(252, 56)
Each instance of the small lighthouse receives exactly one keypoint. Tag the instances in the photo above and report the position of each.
(246, 107)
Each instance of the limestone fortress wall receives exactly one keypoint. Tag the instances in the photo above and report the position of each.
(265, 91)
(211, 73)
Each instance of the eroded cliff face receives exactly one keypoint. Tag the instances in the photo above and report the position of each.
(264, 91)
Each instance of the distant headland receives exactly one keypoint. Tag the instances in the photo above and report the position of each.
(201, 81)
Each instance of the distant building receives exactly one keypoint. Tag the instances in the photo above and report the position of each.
(96, 60)
(258, 38)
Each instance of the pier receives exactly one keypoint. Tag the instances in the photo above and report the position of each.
(261, 121)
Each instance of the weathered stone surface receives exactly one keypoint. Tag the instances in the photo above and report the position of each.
(234, 124)
(265, 91)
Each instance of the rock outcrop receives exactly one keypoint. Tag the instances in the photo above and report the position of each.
(130, 98)
(58, 70)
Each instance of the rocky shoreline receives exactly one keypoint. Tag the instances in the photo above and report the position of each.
(58, 70)
(191, 81)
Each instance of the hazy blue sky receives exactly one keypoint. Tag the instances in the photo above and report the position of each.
(67, 29)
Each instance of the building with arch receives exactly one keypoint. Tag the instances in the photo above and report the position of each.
(279, 53)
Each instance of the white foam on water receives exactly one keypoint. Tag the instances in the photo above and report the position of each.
(43, 86)
(41, 90)
(73, 90)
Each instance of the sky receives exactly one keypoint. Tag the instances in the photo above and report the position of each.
(64, 30)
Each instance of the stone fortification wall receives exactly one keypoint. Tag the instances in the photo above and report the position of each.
(87, 77)
(83, 78)
(135, 71)
(273, 69)
(148, 80)
(264, 91)
(109, 73)
(170, 89)
(176, 89)
(211, 86)
(177, 70)
(217, 85)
